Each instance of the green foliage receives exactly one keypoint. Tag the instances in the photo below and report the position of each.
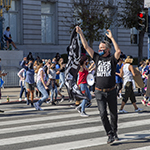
(128, 14)
(128, 17)
(91, 17)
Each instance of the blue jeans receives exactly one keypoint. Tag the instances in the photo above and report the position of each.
(23, 89)
(61, 79)
(86, 91)
(42, 89)
(53, 91)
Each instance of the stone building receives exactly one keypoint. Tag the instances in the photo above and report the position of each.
(38, 26)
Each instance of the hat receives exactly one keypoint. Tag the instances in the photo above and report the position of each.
(129, 59)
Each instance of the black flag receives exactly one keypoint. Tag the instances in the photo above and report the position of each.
(72, 68)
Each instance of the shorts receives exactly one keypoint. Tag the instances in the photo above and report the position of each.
(30, 86)
(9, 40)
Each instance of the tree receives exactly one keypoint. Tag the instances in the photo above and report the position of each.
(128, 17)
(91, 16)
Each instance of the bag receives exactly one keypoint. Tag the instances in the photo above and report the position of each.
(53, 83)
(48, 82)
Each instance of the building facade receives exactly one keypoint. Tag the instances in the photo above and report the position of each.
(41, 27)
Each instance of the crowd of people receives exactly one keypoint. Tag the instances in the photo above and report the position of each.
(112, 72)
(45, 79)
(144, 68)
(124, 78)
(39, 76)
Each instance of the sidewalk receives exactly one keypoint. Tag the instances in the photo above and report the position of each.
(13, 94)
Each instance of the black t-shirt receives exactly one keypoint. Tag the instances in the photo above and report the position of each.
(62, 69)
(105, 71)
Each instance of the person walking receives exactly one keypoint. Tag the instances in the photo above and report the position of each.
(127, 72)
(41, 85)
(51, 71)
(105, 91)
(118, 78)
(37, 92)
(29, 81)
(62, 73)
(83, 72)
(1, 74)
(22, 76)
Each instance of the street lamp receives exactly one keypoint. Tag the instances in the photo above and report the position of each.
(3, 4)
(7, 4)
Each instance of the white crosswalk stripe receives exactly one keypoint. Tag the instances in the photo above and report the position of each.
(90, 142)
(142, 148)
(52, 127)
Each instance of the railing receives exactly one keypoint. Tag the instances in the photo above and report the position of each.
(11, 79)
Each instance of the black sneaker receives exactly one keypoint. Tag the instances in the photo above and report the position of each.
(32, 105)
(60, 90)
(1, 111)
(53, 103)
(88, 104)
(116, 137)
(110, 139)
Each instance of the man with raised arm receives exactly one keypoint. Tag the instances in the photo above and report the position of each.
(105, 90)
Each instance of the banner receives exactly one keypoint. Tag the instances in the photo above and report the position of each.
(72, 68)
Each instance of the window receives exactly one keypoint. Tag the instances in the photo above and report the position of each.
(133, 36)
(11, 19)
(48, 23)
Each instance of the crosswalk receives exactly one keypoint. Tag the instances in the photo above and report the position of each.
(62, 128)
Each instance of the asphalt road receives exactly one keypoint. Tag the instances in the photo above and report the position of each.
(61, 127)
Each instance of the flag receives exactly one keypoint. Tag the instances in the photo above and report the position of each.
(72, 68)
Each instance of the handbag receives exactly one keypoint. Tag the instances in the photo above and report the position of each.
(48, 82)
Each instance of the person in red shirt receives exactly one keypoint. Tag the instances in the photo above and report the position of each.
(83, 72)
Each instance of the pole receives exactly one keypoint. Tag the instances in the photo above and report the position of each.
(148, 32)
(1, 23)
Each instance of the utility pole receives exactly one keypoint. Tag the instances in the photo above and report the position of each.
(1, 22)
(147, 5)
(148, 32)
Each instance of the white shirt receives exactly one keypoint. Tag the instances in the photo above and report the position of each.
(39, 76)
(127, 75)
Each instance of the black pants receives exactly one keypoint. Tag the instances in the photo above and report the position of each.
(119, 87)
(129, 93)
(110, 98)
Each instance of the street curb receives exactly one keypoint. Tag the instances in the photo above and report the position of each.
(23, 101)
